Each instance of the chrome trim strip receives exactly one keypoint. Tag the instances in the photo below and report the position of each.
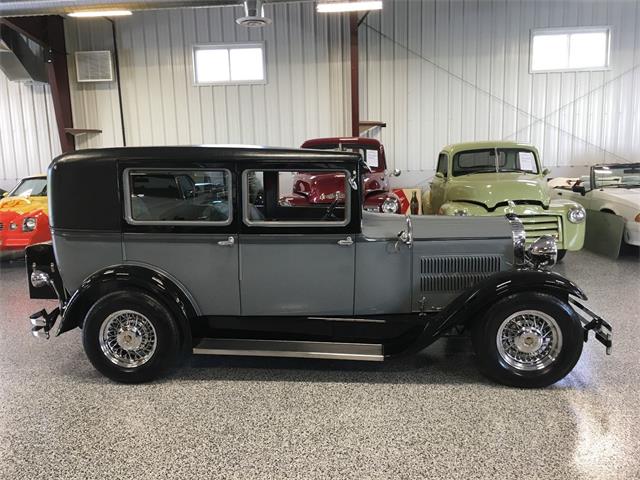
(290, 349)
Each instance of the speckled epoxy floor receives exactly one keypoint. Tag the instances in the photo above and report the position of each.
(429, 416)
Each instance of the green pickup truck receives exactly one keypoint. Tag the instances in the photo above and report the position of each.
(497, 178)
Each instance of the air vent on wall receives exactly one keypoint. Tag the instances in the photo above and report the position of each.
(94, 66)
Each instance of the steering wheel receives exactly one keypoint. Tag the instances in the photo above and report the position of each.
(331, 208)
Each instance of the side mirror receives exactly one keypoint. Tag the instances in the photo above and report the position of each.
(546, 172)
(579, 189)
(440, 175)
(5, 194)
(396, 172)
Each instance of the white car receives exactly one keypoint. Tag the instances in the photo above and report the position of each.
(613, 188)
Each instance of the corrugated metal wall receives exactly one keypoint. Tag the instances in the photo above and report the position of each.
(436, 71)
(441, 72)
(28, 134)
(306, 93)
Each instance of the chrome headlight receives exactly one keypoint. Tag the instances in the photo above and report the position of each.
(519, 236)
(576, 214)
(543, 252)
(29, 224)
(390, 205)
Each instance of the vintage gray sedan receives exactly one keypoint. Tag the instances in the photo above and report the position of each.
(181, 249)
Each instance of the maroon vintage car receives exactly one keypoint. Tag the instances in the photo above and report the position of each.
(322, 187)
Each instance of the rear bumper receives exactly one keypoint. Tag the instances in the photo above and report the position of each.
(590, 321)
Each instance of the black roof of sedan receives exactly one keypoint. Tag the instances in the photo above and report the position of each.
(209, 152)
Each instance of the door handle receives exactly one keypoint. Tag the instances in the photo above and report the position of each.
(227, 243)
(347, 241)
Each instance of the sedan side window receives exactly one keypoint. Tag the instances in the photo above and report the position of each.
(286, 198)
(161, 197)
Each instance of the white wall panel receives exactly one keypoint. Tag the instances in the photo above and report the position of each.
(28, 134)
(305, 96)
(462, 74)
(435, 71)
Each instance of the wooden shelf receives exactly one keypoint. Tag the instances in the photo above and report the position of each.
(368, 125)
(81, 131)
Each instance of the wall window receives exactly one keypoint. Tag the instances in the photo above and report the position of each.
(229, 64)
(175, 197)
(557, 50)
(285, 198)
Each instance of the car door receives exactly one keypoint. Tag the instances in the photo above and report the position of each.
(181, 222)
(295, 260)
(438, 183)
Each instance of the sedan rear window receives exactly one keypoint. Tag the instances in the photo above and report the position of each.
(178, 197)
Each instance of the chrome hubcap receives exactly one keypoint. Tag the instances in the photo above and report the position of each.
(529, 340)
(127, 338)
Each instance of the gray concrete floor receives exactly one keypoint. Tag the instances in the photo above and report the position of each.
(431, 415)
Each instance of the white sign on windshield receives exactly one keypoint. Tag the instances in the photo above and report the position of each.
(372, 158)
(527, 161)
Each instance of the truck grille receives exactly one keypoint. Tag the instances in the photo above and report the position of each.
(537, 225)
(451, 273)
(1, 226)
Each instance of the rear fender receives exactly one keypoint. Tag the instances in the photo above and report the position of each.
(128, 277)
(471, 305)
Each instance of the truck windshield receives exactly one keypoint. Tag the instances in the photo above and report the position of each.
(490, 160)
(30, 187)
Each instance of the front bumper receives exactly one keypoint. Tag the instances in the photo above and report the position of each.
(632, 233)
(590, 321)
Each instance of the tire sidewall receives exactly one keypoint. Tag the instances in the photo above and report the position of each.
(165, 328)
(492, 363)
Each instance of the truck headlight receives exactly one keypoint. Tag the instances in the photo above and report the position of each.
(576, 214)
(29, 224)
(390, 205)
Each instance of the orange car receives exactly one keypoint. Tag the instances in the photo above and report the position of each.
(24, 216)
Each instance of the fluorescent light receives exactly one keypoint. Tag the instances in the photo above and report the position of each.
(330, 7)
(100, 13)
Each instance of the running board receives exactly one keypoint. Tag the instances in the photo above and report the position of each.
(371, 352)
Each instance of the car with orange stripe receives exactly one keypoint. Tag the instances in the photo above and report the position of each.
(24, 216)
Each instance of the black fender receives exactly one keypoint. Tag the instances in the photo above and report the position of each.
(130, 277)
(472, 304)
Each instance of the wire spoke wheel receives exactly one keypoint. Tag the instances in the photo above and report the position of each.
(127, 338)
(529, 340)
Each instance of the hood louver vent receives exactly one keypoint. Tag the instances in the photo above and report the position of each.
(452, 273)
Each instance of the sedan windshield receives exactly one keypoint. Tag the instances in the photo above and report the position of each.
(494, 160)
(617, 176)
(30, 187)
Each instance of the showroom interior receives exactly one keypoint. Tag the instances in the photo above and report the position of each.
(492, 146)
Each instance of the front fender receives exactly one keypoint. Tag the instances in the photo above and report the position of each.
(471, 305)
(129, 277)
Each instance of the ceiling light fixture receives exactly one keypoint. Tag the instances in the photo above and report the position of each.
(359, 6)
(100, 13)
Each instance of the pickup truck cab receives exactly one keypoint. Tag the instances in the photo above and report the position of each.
(496, 178)
(150, 270)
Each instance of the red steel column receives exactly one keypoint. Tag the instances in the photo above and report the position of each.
(355, 96)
